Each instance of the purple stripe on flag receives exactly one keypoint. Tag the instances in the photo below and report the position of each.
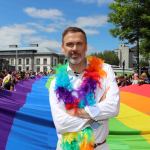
(10, 102)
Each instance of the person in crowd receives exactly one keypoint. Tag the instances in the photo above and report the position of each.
(144, 79)
(7, 81)
(135, 78)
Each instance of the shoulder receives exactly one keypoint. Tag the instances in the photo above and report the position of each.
(108, 70)
(106, 67)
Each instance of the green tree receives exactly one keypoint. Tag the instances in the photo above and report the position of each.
(109, 57)
(131, 19)
(145, 41)
(144, 63)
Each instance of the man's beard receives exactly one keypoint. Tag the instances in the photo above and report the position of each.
(75, 60)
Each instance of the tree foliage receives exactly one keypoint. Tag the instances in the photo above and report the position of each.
(109, 57)
(144, 63)
(132, 22)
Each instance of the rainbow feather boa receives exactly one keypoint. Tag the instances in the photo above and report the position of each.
(85, 96)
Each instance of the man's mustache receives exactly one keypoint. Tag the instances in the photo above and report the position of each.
(74, 53)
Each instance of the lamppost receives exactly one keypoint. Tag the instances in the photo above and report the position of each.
(123, 66)
(16, 60)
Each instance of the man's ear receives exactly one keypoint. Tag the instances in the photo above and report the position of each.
(62, 48)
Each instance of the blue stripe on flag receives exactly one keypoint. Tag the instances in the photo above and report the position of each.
(33, 127)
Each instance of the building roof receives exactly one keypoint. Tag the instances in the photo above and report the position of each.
(38, 50)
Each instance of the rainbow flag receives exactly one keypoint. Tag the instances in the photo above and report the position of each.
(131, 129)
(26, 122)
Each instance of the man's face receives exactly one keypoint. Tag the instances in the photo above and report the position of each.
(74, 47)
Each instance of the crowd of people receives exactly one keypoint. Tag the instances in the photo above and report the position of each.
(143, 78)
(8, 79)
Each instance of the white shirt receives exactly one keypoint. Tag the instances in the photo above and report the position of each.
(99, 113)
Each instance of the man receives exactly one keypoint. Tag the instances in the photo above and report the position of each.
(83, 96)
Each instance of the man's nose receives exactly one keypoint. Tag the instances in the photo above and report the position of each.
(75, 47)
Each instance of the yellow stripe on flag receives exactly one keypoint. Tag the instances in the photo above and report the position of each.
(135, 120)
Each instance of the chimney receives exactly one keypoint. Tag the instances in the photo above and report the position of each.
(34, 45)
(13, 46)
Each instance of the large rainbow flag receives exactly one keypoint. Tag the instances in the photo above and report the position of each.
(26, 122)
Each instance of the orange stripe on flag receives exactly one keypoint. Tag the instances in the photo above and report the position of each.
(138, 102)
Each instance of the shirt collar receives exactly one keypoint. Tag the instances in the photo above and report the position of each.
(71, 72)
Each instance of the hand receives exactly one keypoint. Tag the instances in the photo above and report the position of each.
(79, 112)
(82, 114)
(71, 112)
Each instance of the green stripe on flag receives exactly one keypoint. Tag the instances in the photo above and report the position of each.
(122, 137)
(48, 83)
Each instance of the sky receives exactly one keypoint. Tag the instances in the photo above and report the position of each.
(24, 22)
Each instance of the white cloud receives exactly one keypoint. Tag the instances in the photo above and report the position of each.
(91, 24)
(43, 13)
(42, 41)
(91, 21)
(45, 28)
(91, 49)
(24, 35)
(98, 2)
(52, 44)
(13, 34)
(91, 31)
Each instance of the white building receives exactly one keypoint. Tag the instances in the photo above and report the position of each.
(127, 55)
(31, 58)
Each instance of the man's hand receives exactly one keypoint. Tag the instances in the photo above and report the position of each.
(71, 112)
(79, 113)
(82, 114)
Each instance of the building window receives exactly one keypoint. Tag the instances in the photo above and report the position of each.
(45, 69)
(38, 69)
(45, 61)
(19, 61)
(38, 61)
(27, 68)
(55, 61)
(19, 68)
(27, 61)
(12, 61)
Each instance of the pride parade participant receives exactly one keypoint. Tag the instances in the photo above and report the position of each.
(83, 96)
